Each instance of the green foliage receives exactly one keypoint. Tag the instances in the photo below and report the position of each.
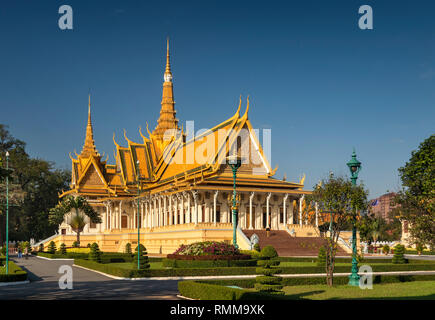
(15, 274)
(268, 252)
(41, 247)
(253, 253)
(95, 254)
(399, 251)
(128, 248)
(343, 202)
(143, 257)
(386, 249)
(88, 245)
(420, 247)
(62, 249)
(321, 257)
(34, 185)
(268, 282)
(51, 247)
(257, 247)
(415, 201)
(204, 291)
(75, 244)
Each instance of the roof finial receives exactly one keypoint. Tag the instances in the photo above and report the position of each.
(168, 63)
(89, 145)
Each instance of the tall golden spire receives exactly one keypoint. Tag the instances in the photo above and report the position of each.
(89, 146)
(167, 123)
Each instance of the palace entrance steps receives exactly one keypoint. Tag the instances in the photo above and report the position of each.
(287, 245)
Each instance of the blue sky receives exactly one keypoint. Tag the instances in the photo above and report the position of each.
(319, 82)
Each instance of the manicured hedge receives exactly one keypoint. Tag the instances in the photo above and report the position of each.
(408, 251)
(15, 274)
(249, 283)
(337, 260)
(180, 272)
(204, 291)
(106, 257)
(174, 263)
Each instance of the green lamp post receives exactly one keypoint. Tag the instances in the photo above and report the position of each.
(137, 216)
(234, 162)
(7, 212)
(354, 167)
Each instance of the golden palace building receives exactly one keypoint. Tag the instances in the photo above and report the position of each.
(181, 199)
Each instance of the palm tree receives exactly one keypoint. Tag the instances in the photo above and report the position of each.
(82, 209)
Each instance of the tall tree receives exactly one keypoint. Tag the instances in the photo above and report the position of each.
(343, 202)
(34, 185)
(416, 200)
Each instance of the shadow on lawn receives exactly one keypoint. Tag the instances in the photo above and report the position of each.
(300, 296)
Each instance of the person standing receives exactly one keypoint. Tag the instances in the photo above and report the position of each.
(19, 253)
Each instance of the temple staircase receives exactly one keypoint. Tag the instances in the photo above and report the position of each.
(288, 246)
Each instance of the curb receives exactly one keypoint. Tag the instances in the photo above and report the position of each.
(54, 259)
(4, 284)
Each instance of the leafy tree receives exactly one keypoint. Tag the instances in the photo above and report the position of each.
(416, 200)
(82, 212)
(344, 203)
(33, 189)
(52, 247)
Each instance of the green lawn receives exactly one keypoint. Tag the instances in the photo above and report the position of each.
(405, 290)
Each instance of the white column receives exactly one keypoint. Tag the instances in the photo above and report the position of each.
(165, 211)
(301, 200)
(214, 205)
(159, 218)
(189, 214)
(251, 197)
(120, 215)
(176, 210)
(267, 210)
(170, 211)
(154, 220)
(292, 212)
(195, 197)
(317, 214)
(284, 208)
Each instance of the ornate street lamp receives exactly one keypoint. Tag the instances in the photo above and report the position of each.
(7, 212)
(234, 162)
(354, 167)
(137, 216)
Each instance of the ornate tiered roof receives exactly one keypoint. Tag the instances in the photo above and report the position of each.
(164, 162)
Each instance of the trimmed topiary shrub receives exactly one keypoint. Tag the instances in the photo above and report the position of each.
(75, 244)
(41, 247)
(88, 245)
(95, 254)
(399, 251)
(386, 249)
(62, 249)
(257, 247)
(127, 248)
(268, 282)
(419, 247)
(143, 261)
(52, 247)
(321, 257)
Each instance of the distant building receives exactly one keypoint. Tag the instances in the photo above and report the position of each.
(381, 206)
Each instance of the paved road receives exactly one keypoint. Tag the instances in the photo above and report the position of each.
(44, 284)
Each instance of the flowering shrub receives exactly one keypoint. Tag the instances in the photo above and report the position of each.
(207, 248)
